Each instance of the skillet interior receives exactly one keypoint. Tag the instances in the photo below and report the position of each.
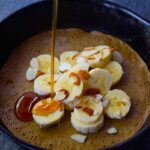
(137, 37)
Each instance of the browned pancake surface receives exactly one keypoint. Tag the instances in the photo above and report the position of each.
(135, 82)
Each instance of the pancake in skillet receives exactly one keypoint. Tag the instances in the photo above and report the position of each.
(135, 82)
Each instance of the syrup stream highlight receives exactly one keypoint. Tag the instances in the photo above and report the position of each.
(54, 24)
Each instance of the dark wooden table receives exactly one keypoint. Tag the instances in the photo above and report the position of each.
(141, 7)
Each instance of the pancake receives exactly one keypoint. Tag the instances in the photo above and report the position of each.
(135, 82)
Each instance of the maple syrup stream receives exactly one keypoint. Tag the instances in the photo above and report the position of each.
(54, 24)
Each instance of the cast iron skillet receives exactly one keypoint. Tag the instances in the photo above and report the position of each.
(88, 15)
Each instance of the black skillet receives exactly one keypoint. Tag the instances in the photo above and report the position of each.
(88, 15)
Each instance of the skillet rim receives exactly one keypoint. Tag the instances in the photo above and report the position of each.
(108, 4)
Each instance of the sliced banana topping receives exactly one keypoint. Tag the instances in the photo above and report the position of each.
(87, 128)
(47, 113)
(94, 60)
(71, 83)
(87, 116)
(69, 57)
(88, 112)
(115, 70)
(119, 104)
(106, 53)
(82, 84)
(42, 84)
(87, 53)
(100, 79)
(44, 63)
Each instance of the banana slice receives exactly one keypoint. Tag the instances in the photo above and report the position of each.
(94, 60)
(48, 119)
(42, 84)
(119, 104)
(44, 63)
(71, 83)
(69, 57)
(87, 128)
(87, 53)
(100, 79)
(115, 70)
(106, 53)
(81, 112)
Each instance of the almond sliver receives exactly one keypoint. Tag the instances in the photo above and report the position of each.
(34, 63)
(31, 74)
(98, 97)
(105, 102)
(78, 138)
(61, 95)
(112, 130)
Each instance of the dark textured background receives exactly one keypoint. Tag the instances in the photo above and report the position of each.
(141, 7)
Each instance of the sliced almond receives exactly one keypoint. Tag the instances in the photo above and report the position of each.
(31, 74)
(87, 53)
(112, 130)
(76, 78)
(78, 138)
(34, 63)
(105, 102)
(98, 97)
(64, 66)
(117, 57)
(61, 95)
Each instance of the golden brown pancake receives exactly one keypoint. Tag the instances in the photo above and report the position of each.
(135, 81)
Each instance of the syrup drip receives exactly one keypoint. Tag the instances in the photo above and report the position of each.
(54, 24)
(24, 105)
